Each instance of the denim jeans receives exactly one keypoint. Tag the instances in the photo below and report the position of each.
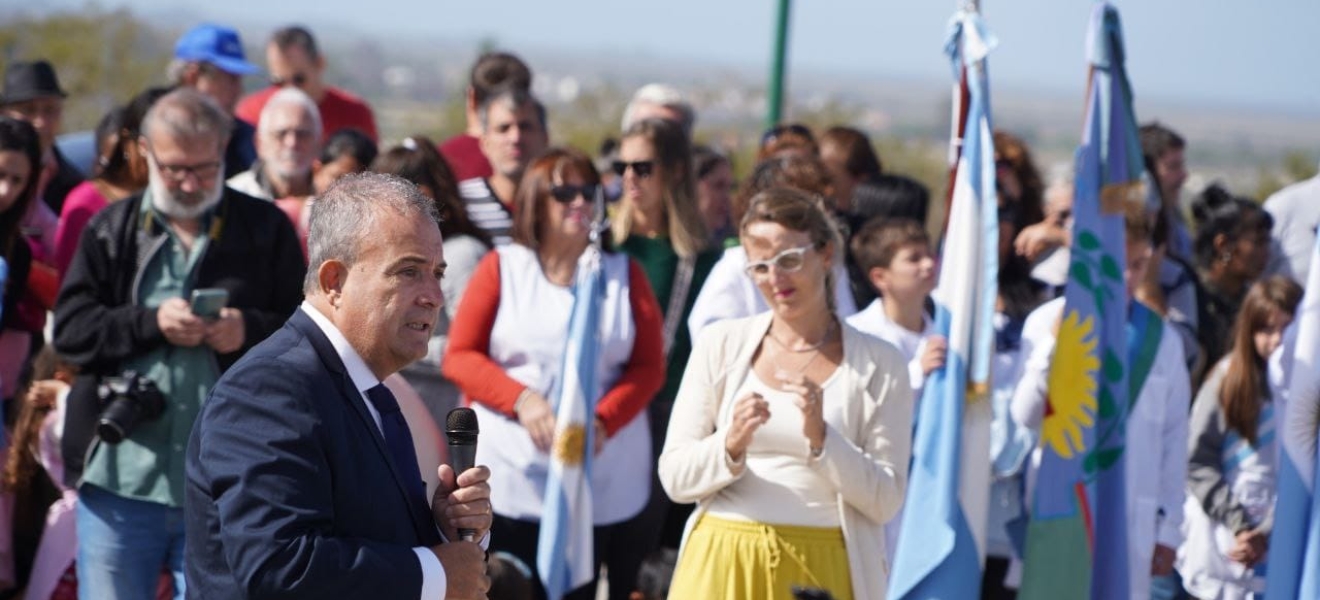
(124, 544)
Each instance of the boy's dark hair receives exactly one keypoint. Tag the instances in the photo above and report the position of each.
(1138, 224)
(880, 239)
(655, 573)
(495, 70)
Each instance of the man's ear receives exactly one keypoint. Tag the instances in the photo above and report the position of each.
(330, 279)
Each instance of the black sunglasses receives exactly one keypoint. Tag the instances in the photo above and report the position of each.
(771, 134)
(643, 168)
(297, 80)
(568, 193)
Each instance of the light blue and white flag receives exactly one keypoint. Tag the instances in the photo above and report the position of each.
(942, 537)
(564, 551)
(1294, 560)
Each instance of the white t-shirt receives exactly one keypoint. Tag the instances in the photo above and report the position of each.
(873, 320)
(780, 486)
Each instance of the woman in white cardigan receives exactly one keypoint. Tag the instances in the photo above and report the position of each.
(791, 429)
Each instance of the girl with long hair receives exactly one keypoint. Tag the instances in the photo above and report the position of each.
(20, 168)
(1233, 454)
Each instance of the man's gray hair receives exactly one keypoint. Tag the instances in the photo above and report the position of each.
(348, 213)
(290, 96)
(664, 95)
(188, 114)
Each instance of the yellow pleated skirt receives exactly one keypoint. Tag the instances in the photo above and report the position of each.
(733, 560)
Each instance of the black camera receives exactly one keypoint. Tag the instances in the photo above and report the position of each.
(129, 400)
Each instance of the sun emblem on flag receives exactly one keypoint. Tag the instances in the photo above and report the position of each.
(1071, 401)
(571, 445)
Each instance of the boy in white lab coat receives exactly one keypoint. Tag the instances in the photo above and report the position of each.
(1156, 450)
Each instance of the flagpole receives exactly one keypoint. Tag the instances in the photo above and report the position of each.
(599, 223)
(775, 99)
(958, 123)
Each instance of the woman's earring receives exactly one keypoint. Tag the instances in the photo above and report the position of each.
(1225, 257)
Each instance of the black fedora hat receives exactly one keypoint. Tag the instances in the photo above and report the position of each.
(30, 80)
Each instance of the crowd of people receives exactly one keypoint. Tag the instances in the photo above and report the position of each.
(763, 342)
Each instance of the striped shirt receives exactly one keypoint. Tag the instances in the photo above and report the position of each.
(486, 210)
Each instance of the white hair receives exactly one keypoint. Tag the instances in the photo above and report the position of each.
(664, 95)
(294, 96)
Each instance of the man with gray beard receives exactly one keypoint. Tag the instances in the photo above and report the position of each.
(131, 303)
(288, 141)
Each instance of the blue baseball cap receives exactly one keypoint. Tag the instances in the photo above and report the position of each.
(215, 44)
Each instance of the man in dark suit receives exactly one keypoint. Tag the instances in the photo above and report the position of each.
(301, 478)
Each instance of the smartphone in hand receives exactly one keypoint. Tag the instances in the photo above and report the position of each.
(207, 302)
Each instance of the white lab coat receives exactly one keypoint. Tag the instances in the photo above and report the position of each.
(1156, 454)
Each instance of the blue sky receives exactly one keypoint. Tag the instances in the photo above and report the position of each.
(1259, 54)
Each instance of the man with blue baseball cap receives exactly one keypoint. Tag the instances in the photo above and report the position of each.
(209, 58)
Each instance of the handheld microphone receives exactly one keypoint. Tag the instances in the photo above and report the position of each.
(461, 429)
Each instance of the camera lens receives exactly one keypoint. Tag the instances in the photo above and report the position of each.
(118, 419)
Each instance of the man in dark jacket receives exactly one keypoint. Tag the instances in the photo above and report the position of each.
(127, 306)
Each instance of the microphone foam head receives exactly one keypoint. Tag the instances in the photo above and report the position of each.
(462, 419)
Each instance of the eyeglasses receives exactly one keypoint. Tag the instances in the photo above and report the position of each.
(773, 133)
(568, 193)
(788, 261)
(299, 135)
(205, 171)
(296, 80)
(643, 168)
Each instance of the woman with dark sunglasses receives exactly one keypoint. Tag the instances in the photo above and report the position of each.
(660, 225)
(792, 429)
(506, 349)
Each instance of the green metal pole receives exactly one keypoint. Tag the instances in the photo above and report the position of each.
(776, 92)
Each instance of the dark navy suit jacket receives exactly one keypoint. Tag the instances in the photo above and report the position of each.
(290, 489)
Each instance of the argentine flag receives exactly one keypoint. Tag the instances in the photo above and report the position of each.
(564, 550)
(941, 541)
(1294, 569)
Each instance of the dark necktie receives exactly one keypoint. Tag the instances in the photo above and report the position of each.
(398, 439)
